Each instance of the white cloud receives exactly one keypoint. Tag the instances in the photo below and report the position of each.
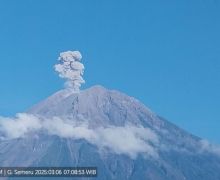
(129, 140)
(18, 126)
(71, 69)
(207, 146)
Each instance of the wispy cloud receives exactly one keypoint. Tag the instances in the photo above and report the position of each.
(130, 140)
(207, 146)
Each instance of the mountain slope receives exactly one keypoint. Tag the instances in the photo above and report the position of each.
(171, 153)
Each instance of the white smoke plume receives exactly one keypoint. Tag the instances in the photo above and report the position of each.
(71, 69)
(129, 140)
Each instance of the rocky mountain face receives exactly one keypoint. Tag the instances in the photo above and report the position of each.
(120, 136)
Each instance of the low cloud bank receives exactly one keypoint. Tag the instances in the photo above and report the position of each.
(129, 140)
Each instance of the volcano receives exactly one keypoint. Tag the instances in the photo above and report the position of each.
(130, 141)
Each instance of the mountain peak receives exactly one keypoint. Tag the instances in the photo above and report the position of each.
(117, 131)
(97, 104)
(96, 88)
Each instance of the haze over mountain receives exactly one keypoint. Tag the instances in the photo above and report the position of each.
(109, 130)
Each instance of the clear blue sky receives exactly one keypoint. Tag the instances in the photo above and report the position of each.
(165, 53)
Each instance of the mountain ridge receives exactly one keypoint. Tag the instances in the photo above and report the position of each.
(114, 132)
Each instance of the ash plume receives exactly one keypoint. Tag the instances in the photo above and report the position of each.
(71, 69)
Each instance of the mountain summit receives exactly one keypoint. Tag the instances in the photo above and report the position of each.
(114, 132)
(97, 104)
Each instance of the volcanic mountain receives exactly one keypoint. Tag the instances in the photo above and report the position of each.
(113, 132)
